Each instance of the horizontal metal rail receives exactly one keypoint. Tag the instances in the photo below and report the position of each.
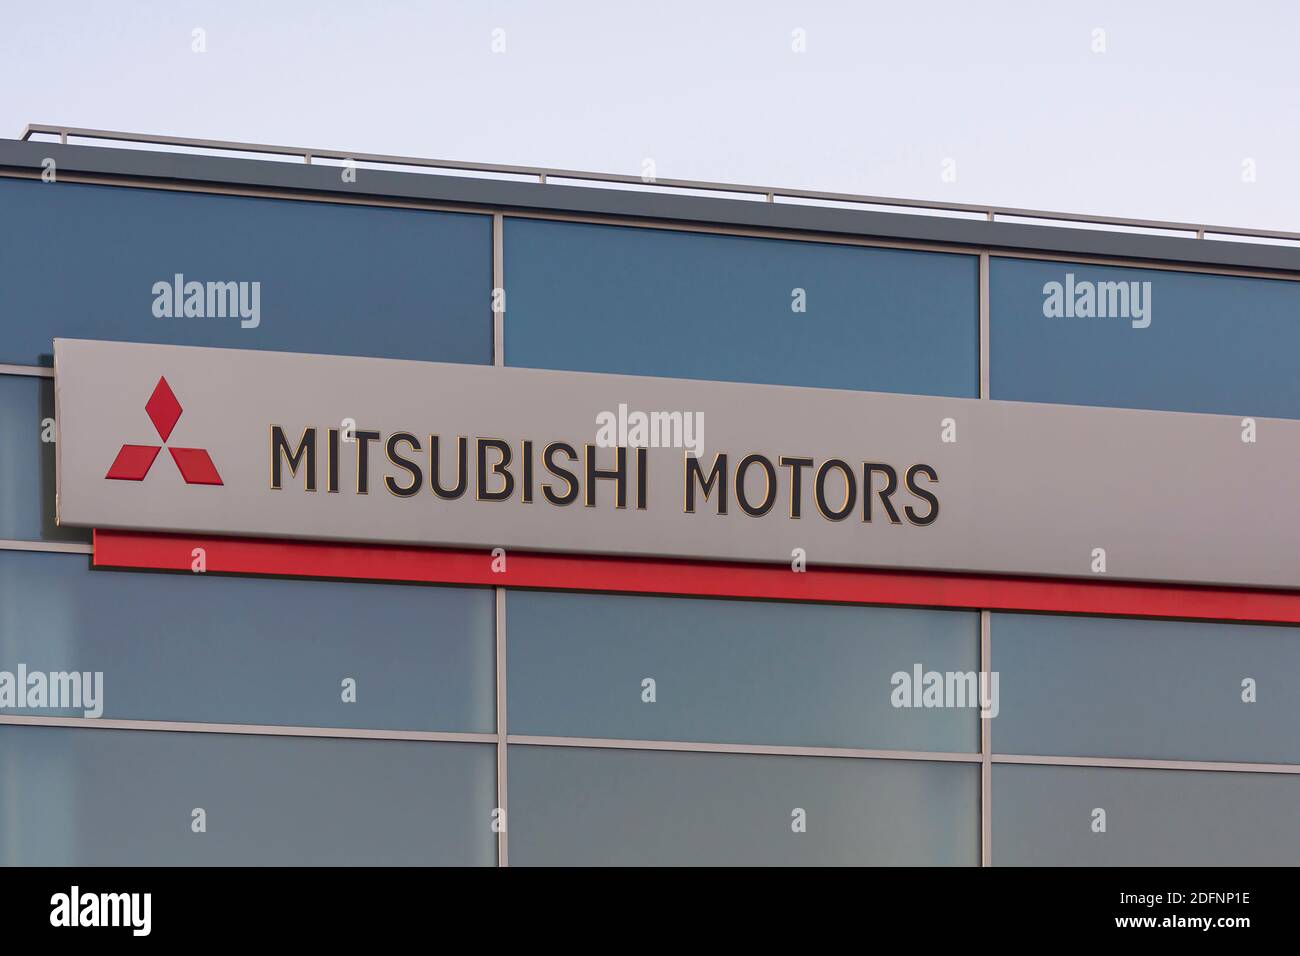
(546, 174)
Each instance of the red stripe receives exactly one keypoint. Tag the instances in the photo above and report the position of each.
(129, 549)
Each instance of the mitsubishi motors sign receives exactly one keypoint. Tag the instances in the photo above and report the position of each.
(318, 447)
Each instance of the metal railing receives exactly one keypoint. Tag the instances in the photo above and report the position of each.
(546, 174)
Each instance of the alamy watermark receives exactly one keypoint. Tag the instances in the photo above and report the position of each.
(208, 300)
(74, 908)
(1086, 299)
(922, 688)
(55, 690)
(634, 429)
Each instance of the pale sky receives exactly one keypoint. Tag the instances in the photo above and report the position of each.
(1157, 126)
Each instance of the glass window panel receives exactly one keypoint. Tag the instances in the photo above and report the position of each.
(1043, 816)
(689, 305)
(90, 797)
(202, 647)
(27, 462)
(733, 671)
(596, 807)
(1126, 687)
(1215, 343)
(81, 261)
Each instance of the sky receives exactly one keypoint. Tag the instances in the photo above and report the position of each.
(1158, 109)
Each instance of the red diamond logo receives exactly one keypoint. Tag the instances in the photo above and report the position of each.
(195, 465)
(134, 461)
(163, 409)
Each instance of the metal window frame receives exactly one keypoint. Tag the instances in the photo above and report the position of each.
(673, 746)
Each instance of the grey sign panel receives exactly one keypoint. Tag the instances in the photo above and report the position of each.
(980, 486)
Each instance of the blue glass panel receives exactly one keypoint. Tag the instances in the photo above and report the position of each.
(587, 807)
(89, 797)
(80, 261)
(1215, 343)
(1045, 816)
(27, 462)
(733, 671)
(1124, 687)
(202, 647)
(688, 305)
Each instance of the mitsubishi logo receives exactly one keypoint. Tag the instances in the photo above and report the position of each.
(134, 461)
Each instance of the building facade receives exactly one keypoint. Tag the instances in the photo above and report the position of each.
(323, 699)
